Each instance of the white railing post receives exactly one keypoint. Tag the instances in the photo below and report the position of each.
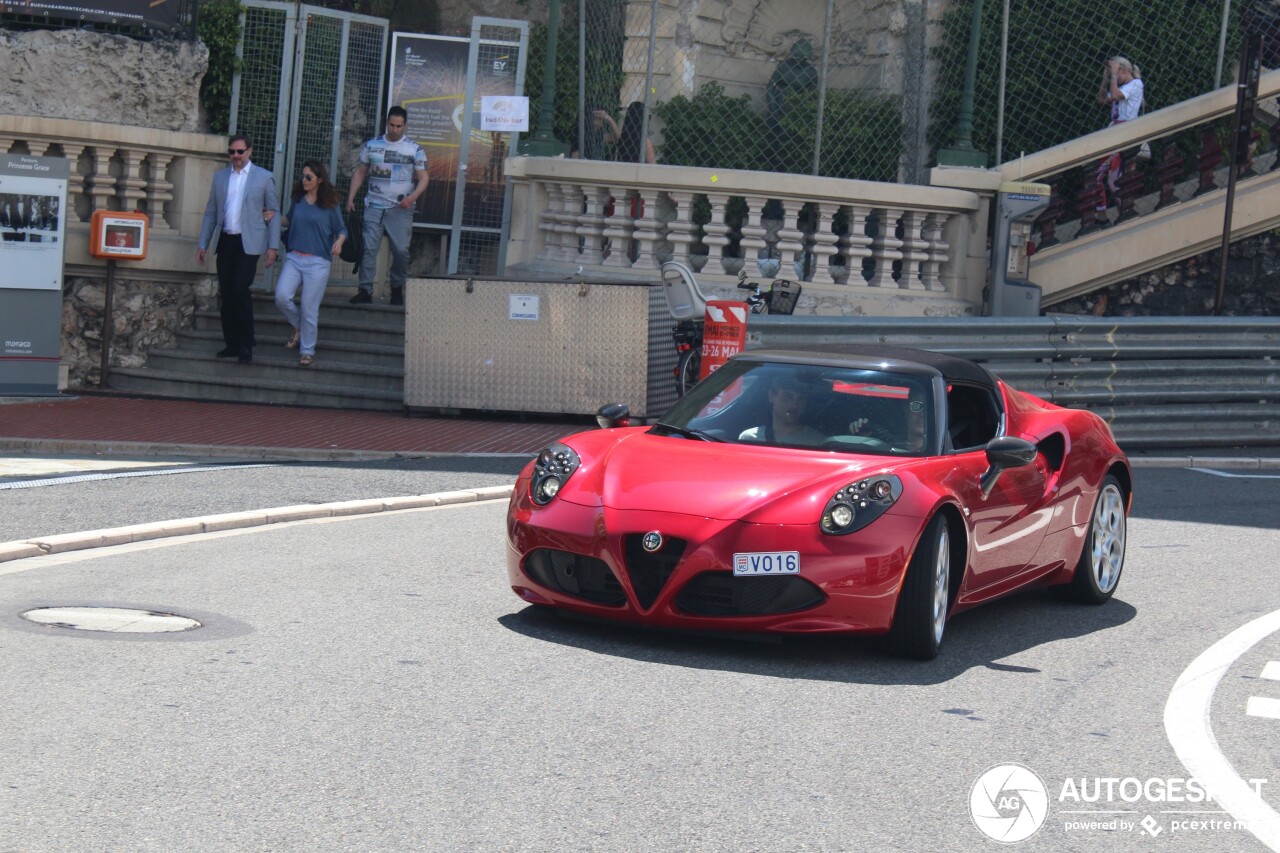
(790, 238)
(715, 234)
(590, 229)
(101, 184)
(914, 251)
(885, 247)
(938, 251)
(824, 245)
(618, 229)
(159, 191)
(647, 231)
(680, 229)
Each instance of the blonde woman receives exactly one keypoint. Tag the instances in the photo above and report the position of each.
(1122, 88)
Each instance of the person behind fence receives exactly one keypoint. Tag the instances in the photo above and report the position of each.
(396, 167)
(626, 140)
(315, 238)
(242, 206)
(1123, 90)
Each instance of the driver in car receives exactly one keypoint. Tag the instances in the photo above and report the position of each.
(789, 400)
(911, 439)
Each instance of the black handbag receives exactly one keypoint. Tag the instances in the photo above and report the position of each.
(353, 246)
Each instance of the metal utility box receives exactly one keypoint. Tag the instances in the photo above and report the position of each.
(539, 347)
(1011, 293)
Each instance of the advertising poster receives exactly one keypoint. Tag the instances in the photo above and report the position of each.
(429, 79)
(33, 202)
(152, 14)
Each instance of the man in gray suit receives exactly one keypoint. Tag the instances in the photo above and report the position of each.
(243, 205)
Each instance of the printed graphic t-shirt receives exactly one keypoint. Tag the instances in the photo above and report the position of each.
(391, 167)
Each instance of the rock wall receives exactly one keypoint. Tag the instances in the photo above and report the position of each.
(456, 15)
(145, 315)
(79, 74)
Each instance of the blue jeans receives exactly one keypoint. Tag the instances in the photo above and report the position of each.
(312, 273)
(397, 224)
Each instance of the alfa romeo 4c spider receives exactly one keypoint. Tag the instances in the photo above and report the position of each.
(846, 490)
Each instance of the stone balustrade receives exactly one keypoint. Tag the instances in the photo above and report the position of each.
(163, 174)
(859, 247)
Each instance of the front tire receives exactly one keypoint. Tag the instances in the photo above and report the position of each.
(1102, 558)
(920, 617)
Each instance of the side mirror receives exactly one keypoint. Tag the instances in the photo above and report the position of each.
(612, 415)
(1002, 453)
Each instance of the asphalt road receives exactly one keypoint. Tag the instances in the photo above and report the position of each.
(370, 684)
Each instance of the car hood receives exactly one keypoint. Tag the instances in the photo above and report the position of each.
(633, 470)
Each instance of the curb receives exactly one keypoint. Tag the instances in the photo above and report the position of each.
(64, 542)
(225, 451)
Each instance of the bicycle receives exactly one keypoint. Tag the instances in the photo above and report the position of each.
(687, 304)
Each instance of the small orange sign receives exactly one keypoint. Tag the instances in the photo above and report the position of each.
(118, 234)
(724, 333)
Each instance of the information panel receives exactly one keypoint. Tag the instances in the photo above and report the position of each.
(33, 204)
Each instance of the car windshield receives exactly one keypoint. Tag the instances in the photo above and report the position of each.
(807, 406)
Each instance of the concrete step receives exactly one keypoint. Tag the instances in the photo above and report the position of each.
(387, 356)
(335, 308)
(241, 384)
(276, 364)
(371, 324)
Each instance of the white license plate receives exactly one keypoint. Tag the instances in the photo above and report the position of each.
(766, 563)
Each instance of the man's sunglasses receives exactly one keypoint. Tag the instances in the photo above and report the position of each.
(236, 150)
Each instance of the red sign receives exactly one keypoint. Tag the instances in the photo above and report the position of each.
(724, 334)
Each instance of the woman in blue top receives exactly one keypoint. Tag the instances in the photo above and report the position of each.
(315, 237)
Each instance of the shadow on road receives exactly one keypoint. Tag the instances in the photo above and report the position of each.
(977, 638)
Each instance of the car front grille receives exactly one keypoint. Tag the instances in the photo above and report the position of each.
(723, 594)
(649, 572)
(574, 574)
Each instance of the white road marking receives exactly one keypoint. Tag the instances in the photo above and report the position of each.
(1190, 730)
(1215, 472)
(1271, 671)
(1260, 707)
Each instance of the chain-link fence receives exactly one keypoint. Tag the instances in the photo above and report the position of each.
(696, 84)
(1040, 65)
(862, 89)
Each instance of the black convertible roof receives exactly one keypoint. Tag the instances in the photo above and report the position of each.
(874, 356)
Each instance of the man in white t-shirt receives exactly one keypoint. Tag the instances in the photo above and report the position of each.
(397, 171)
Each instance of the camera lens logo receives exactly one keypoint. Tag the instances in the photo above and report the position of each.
(1009, 803)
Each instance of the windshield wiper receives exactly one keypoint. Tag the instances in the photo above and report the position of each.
(689, 433)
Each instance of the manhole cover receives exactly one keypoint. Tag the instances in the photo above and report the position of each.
(115, 620)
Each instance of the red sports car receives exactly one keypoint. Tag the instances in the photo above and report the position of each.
(867, 490)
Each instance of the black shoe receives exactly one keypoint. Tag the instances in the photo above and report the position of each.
(361, 298)
(228, 352)
(246, 355)
(397, 296)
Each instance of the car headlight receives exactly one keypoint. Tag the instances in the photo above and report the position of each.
(858, 504)
(552, 469)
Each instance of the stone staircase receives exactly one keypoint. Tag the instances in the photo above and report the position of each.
(359, 362)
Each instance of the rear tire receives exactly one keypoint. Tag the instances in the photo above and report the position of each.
(1102, 558)
(921, 613)
(687, 371)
